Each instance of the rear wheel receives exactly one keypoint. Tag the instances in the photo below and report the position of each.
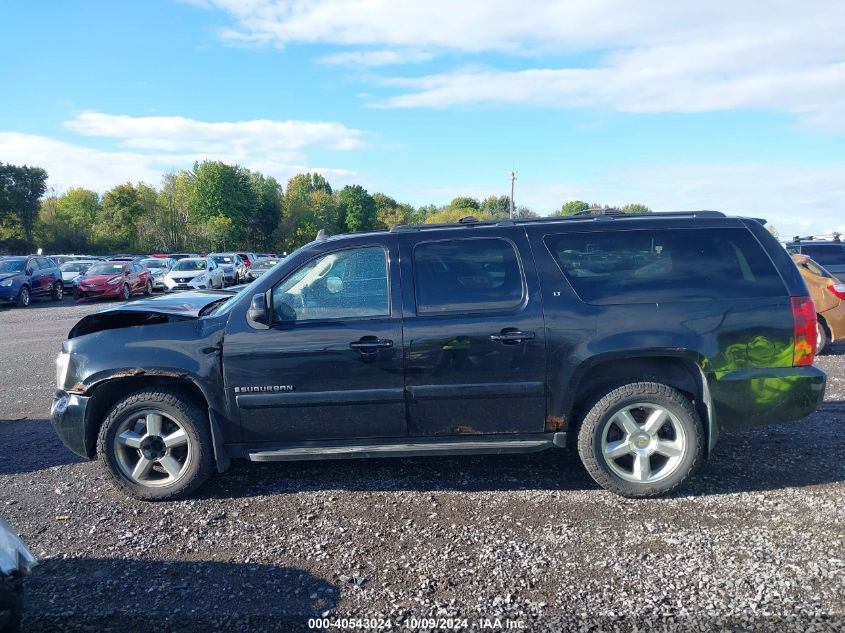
(641, 439)
(821, 336)
(156, 445)
(24, 297)
(58, 291)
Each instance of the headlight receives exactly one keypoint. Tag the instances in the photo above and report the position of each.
(62, 361)
(199, 278)
(114, 281)
(7, 282)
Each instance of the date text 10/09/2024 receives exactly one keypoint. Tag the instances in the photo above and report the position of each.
(417, 624)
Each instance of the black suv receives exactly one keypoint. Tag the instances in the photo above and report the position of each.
(638, 338)
(829, 253)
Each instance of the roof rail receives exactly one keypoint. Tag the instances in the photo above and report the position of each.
(833, 237)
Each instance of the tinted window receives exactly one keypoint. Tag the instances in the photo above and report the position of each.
(649, 266)
(826, 255)
(467, 275)
(12, 265)
(341, 285)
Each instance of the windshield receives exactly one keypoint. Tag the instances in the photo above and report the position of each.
(154, 262)
(105, 269)
(223, 259)
(826, 255)
(12, 265)
(75, 267)
(266, 265)
(190, 264)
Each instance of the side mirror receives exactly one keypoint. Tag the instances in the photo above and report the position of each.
(259, 310)
(28, 272)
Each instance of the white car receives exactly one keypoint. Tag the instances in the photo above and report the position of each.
(194, 273)
(73, 269)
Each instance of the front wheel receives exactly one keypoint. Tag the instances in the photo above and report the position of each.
(148, 289)
(641, 439)
(58, 291)
(24, 297)
(156, 445)
(127, 293)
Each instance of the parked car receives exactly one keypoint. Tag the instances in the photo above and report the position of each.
(828, 295)
(260, 267)
(158, 267)
(232, 265)
(830, 253)
(248, 258)
(63, 259)
(638, 338)
(29, 277)
(126, 258)
(16, 562)
(113, 279)
(73, 269)
(194, 273)
(178, 256)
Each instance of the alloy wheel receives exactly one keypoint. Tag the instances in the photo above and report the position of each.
(59, 291)
(643, 443)
(152, 449)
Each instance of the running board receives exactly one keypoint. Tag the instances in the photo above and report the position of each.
(423, 447)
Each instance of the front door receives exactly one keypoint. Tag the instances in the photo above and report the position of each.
(330, 366)
(474, 334)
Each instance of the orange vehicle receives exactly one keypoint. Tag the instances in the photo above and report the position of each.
(828, 294)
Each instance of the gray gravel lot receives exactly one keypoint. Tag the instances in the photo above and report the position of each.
(756, 543)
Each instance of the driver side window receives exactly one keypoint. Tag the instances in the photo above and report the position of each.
(347, 284)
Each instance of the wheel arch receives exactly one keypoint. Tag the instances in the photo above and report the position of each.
(681, 371)
(104, 394)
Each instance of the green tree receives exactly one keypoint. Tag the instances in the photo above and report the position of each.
(20, 191)
(465, 202)
(357, 208)
(450, 214)
(497, 206)
(117, 224)
(174, 202)
(77, 211)
(390, 213)
(222, 190)
(264, 218)
(524, 213)
(634, 207)
(572, 207)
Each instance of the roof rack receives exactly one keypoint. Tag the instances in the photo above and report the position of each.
(828, 237)
(590, 214)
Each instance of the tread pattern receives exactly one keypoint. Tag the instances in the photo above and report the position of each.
(596, 411)
(196, 426)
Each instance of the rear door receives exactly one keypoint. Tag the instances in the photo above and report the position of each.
(475, 357)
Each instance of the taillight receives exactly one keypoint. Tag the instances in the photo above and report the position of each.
(804, 331)
(837, 290)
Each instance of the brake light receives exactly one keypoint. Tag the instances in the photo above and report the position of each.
(804, 331)
(838, 290)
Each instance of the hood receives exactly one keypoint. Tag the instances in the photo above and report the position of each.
(96, 280)
(157, 310)
(186, 274)
(8, 275)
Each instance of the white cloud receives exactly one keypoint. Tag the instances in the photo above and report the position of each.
(374, 58)
(173, 133)
(146, 147)
(660, 56)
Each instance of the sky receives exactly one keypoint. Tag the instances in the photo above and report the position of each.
(733, 106)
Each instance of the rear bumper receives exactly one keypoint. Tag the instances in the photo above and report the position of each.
(67, 415)
(749, 398)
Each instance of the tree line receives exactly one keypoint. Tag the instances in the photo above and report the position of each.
(213, 207)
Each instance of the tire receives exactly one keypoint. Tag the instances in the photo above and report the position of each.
(24, 297)
(650, 462)
(237, 279)
(127, 293)
(58, 291)
(821, 337)
(148, 289)
(180, 469)
(11, 604)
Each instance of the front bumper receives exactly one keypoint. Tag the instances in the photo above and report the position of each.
(67, 415)
(749, 398)
(99, 292)
(9, 294)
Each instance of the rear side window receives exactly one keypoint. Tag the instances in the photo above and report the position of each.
(467, 275)
(826, 255)
(665, 265)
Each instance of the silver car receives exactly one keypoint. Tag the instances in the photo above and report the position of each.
(234, 268)
(159, 267)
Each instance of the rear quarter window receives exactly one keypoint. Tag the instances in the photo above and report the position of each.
(665, 265)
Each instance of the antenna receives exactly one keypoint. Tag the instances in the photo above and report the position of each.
(513, 179)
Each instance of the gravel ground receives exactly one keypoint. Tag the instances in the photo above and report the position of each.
(756, 543)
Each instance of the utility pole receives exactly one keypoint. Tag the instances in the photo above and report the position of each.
(513, 179)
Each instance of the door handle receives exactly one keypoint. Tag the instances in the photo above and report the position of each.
(511, 336)
(371, 344)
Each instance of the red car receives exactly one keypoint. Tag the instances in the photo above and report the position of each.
(113, 280)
